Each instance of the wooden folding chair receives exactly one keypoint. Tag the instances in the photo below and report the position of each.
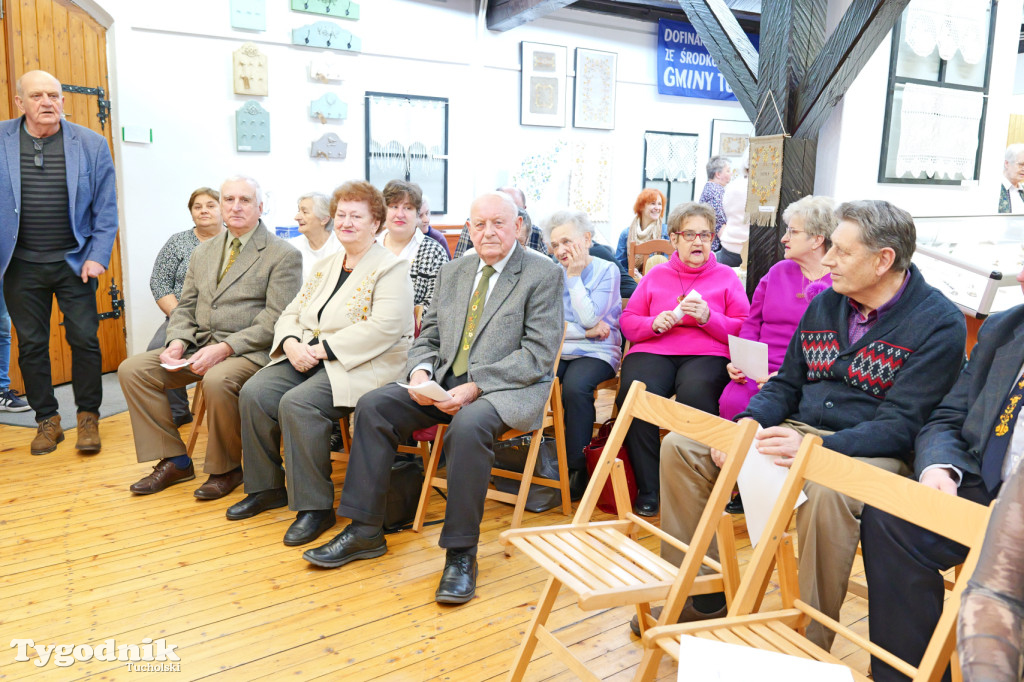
(645, 250)
(602, 562)
(554, 417)
(782, 630)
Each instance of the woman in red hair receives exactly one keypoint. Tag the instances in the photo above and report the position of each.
(647, 224)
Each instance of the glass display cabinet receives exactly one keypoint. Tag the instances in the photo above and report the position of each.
(973, 260)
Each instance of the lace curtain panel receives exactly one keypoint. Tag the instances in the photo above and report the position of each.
(672, 158)
(939, 130)
(950, 25)
(405, 135)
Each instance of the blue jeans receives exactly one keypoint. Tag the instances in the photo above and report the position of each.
(5, 342)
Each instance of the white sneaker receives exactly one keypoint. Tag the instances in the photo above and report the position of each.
(10, 402)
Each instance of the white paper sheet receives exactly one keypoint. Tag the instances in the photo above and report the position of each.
(710, 661)
(694, 295)
(429, 389)
(760, 482)
(183, 363)
(751, 357)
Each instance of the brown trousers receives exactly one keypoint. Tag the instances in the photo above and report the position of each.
(827, 524)
(144, 381)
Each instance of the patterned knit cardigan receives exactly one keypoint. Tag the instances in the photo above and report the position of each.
(877, 393)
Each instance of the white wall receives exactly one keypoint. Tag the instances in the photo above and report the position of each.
(171, 71)
(850, 141)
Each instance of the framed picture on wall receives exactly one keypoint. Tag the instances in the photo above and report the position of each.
(729, 138)
(594, 89)
(542, 85)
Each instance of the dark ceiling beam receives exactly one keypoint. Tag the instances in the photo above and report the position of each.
(862, 28)
(729, 46)
(794, 31)
(503, 15)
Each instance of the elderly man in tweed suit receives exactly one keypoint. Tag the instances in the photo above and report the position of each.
(235, 289)
(492, 346)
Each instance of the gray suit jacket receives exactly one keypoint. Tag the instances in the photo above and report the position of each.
(513, 353)
(244, 307)
(958, 429)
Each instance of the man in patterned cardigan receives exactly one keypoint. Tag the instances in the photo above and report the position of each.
(869, 361)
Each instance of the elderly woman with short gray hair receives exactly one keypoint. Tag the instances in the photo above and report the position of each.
(314, 240)
(592, 348)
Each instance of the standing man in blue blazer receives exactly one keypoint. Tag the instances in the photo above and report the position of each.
(58, 221)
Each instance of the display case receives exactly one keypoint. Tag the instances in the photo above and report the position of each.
(973, 260)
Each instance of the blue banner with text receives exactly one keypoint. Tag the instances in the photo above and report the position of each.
(684, 66)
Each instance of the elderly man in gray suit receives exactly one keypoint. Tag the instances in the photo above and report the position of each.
(235, 289)
(491, 345)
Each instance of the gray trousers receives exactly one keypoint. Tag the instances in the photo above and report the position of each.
(177, 398)
(827, 524)
(279, 400)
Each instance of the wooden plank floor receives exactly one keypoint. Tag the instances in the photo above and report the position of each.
(82, 561)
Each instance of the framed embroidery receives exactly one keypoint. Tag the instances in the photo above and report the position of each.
(542, 85)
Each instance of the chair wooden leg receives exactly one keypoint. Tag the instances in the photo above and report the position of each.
(199, 407)
(524, 485)
(648, 669)
(529, 643)
(563, 463)
(726, 536)
(429, 471)
(643, 612)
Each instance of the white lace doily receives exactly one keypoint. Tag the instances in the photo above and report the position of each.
(939, 131)
(950, 25)
(671, 157)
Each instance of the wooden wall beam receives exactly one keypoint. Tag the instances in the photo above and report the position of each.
(792, 36)
(863, 27)
(729, 46)
(503, 15)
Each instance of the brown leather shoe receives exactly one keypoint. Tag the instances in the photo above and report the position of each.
(164, 474)
(48, 434)
(88, 432)
(219, 485)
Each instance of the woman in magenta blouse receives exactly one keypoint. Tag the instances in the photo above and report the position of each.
(782, 295)
(679, 320)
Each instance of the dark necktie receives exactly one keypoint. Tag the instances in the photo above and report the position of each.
(236, 246)
(473, 314)
(999, 440)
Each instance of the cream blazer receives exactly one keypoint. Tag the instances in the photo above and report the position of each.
(368, 324)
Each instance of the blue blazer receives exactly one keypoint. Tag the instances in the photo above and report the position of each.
(92, 197)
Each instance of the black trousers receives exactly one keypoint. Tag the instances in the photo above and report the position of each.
(905, 589)
(579, 377)
(386, 417)
(696, 380)
(29, 289)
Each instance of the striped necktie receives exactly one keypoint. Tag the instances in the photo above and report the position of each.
(236, 246)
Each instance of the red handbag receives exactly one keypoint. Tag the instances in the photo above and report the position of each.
(606, 502)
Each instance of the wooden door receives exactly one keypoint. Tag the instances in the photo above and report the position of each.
(59, 37)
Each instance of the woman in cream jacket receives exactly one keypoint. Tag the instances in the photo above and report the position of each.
(346, 333)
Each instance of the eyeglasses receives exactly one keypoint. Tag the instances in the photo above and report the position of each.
(790, 231)
(39, 153)
(690, 235)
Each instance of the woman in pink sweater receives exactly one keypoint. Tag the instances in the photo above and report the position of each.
(679, 321)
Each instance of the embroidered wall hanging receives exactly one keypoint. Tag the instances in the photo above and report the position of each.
(252, 128)
(765, 180)
(250, 70)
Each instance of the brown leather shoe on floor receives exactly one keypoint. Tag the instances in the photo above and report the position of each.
(164, 474)
(689, 614)
(48, 434)
(219, 485)
(88, 432)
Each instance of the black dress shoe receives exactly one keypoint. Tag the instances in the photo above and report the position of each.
(345, 547)
(309, 525)
(458, 582)
(578, 480)
(646, 504)
(256, 503)
(735, 505)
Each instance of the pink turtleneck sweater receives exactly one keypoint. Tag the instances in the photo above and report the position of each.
(660, 289)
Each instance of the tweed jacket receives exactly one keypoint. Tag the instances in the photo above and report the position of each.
(513, 353)
(92, 198)
(242, 310)
(368, 324)
(959, 428)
